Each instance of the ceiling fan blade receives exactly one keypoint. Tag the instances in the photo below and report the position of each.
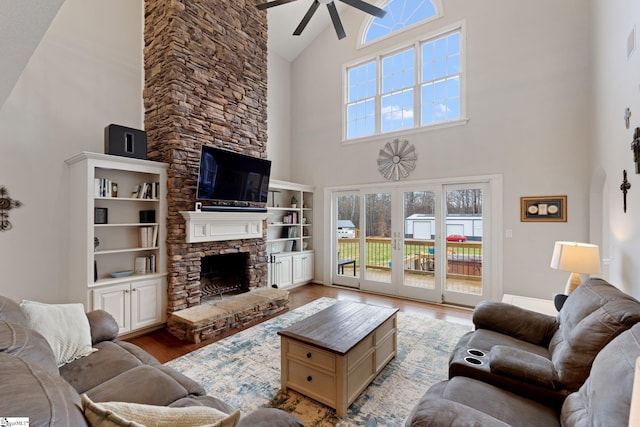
(366, 7)
(337, 23)
(306, 18)
(269, 4)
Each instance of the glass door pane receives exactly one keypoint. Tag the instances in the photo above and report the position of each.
(347, 235)
(421, 251)
(419, 239)
(377, 241)
(464, 229)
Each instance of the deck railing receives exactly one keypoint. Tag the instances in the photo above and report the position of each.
(464, 259)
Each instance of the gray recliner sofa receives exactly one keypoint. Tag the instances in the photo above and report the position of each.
(538, 356)
(32, 385)
(603, 400)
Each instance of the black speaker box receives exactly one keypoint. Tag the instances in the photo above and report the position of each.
(147, 216)
(124, 141)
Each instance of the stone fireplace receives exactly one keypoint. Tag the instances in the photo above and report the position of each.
(205, 83)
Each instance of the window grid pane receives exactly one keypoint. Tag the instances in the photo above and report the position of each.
(397, 110)
(362, 81)
(440, 91)
(361, 118)
(398, 71)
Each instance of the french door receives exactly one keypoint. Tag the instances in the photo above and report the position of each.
(424, 241)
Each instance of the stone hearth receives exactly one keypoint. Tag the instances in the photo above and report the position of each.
(213, 318)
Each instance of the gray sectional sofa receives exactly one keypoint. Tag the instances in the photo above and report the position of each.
(34, 386)
(521, 368)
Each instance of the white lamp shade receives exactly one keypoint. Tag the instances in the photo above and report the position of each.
(634, 413)
(576, 257)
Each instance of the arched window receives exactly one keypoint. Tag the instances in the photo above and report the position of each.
(401, 14)
(418, 84)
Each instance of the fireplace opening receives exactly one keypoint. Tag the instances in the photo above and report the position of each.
(224, 274)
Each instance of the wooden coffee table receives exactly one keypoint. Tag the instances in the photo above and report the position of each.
(333, 355)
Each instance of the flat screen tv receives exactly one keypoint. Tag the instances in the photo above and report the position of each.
(226, 175)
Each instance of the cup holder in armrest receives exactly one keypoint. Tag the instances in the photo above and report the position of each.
(473, 361)
(475, 352)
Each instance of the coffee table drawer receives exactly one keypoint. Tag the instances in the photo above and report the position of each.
(312, 382)
(312, 355)
(385, 328)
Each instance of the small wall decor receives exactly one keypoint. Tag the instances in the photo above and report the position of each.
(543, 209)
(6, 204)
(397, 159)
(627, 117)
(635, 147)
(624, 187)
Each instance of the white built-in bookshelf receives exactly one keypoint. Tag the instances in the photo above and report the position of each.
(117, 237)
(290, 234)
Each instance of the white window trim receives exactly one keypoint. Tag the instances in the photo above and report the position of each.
(437, 4)
(461, 26)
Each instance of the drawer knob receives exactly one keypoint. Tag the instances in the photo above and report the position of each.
(309, 378)
(309, 355)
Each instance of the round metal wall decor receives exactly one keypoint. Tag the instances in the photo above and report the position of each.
(397, 159)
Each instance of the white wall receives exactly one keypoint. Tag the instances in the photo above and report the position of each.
(85, 74)
(616, 86)
(279, 116)
(528, 79)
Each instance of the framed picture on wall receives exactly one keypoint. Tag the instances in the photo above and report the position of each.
(543, 209)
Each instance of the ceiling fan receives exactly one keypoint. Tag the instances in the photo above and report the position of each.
(333, 12)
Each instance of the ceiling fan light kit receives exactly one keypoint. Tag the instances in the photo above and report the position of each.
(333, 12)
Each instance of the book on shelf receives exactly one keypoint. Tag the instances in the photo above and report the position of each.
(148, 236)
(288, 245)
(140, 266)
(146, 190)
(146, 264)
(104, 187)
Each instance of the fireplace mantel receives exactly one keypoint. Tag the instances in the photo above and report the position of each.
(219, 226)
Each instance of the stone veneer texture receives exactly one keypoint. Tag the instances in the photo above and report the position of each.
(205, 83)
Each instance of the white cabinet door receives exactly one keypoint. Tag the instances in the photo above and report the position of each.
(302, 267)
(146, 303)
(284, 271)
(308, 264)
(116, 301)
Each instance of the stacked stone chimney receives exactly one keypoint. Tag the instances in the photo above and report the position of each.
(205, 83)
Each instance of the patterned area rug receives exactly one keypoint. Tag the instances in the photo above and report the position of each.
(244, 370)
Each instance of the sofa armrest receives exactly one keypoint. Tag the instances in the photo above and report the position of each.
(438, 412)
(270, 417)
(103, 326)
(517, 322)
(523, 366)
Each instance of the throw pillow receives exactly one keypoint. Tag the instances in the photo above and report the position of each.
(64, 326)
(123, 414)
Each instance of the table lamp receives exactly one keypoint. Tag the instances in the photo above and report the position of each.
(577, 258)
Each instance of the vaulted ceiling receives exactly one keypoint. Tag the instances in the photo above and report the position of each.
(23, 23)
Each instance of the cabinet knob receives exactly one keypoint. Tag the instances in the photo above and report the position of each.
(309, 355)
(126, 291)
(309, 378)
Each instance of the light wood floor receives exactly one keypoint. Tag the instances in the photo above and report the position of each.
(165, 346)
